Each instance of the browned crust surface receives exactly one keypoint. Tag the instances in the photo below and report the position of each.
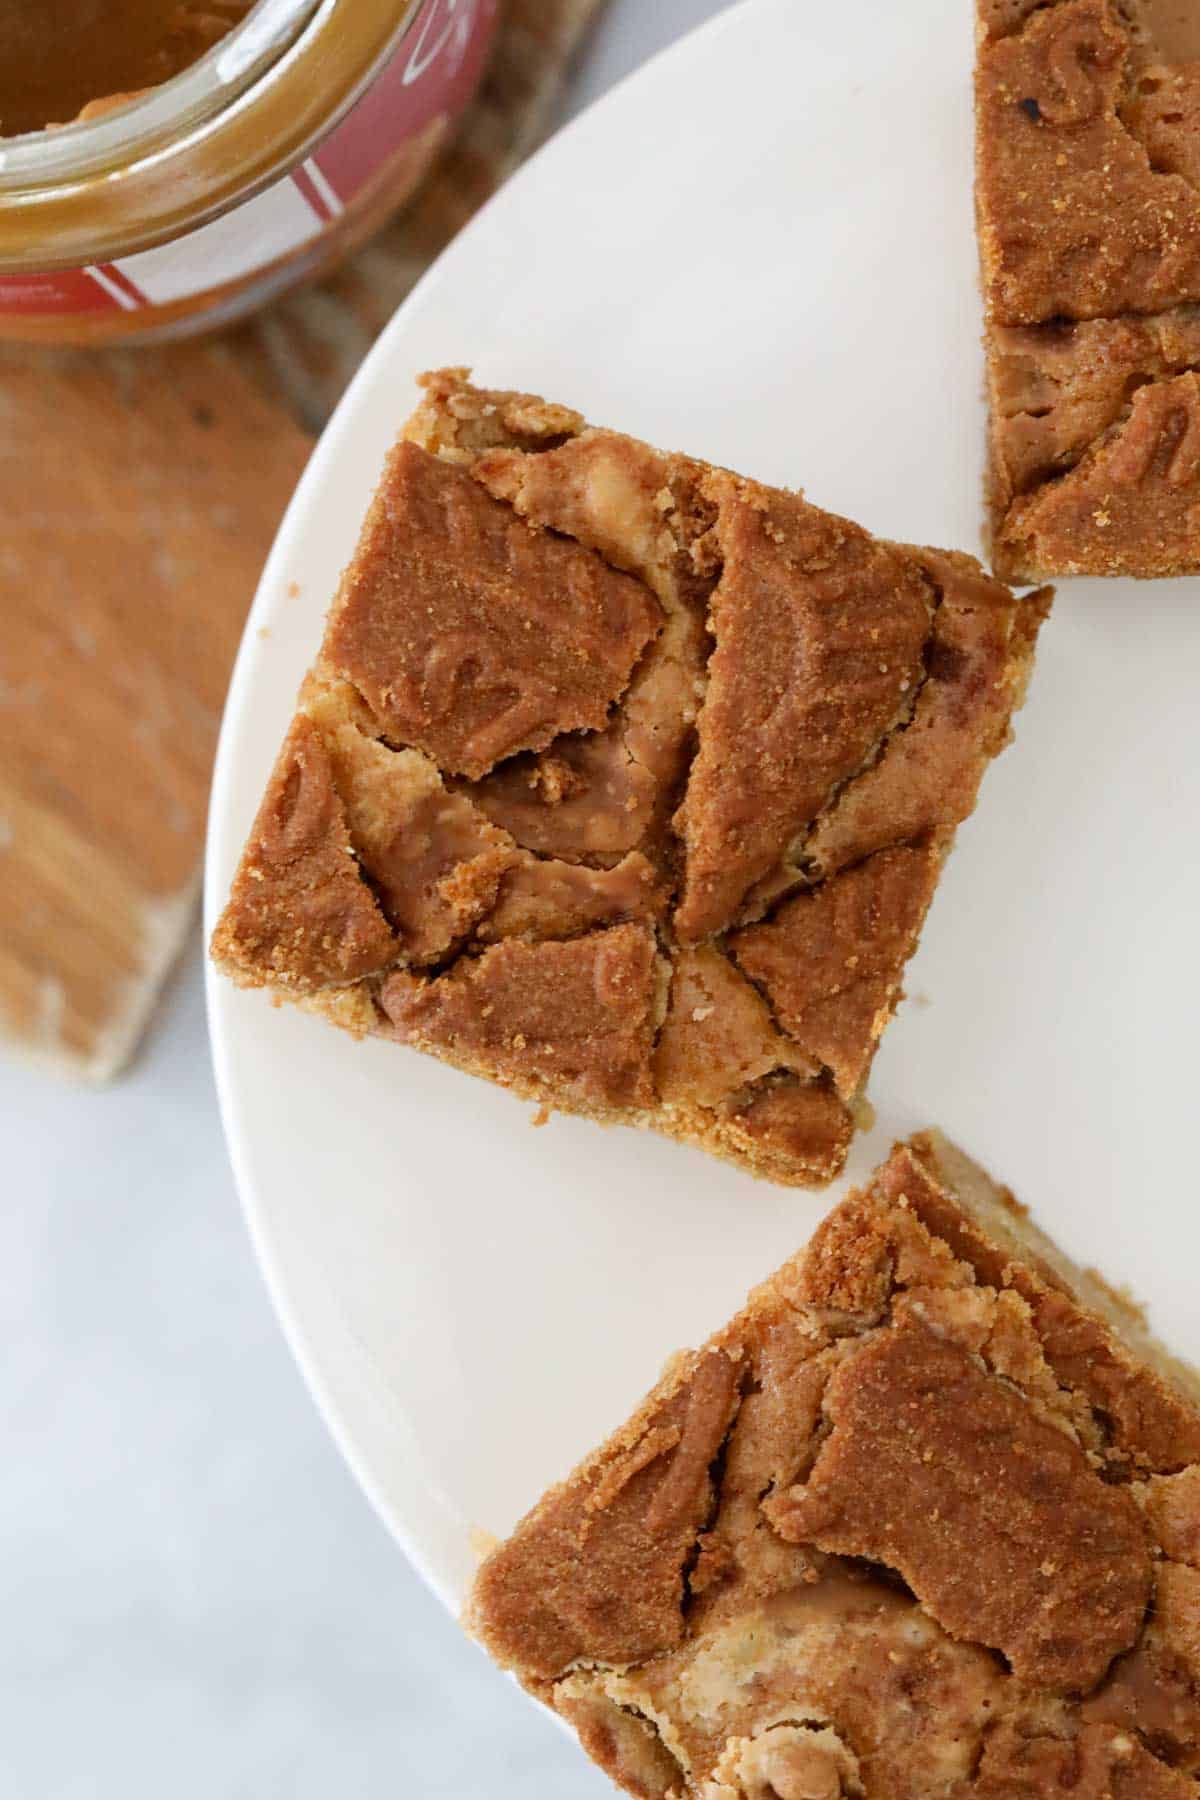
(623, 781)
(471, 637)
(879, 1533)
(831, 960)
(1077, 220)
(1088, 195)
(575, 1018)
(1128, 505)
(819, 632)
(300, 912)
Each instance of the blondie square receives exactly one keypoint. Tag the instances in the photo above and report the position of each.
(1088, 195)
(921, 1523)
(624, 781)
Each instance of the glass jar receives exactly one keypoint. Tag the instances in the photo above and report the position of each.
(288, 143)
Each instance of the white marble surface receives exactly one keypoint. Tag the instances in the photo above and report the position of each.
(197, 1601)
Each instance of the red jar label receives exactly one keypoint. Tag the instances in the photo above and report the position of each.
(429, 78)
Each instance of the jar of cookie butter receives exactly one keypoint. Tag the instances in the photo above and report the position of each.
(214, 151)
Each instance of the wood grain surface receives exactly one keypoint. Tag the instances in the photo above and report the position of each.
(139, 493)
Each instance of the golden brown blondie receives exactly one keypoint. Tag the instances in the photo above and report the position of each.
(1088, 194)
(625, 781)
(921, 1523)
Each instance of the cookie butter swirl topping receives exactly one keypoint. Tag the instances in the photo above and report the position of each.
(1074, 57)
(927, 1454)
(1085, 148)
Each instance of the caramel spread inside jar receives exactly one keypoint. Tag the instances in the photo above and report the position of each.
(67, 59)
(266, 140)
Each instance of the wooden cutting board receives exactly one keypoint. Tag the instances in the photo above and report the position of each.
(139, 494)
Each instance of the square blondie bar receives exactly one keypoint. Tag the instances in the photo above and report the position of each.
(1088, 197)
(624, 781)
(921, 1523)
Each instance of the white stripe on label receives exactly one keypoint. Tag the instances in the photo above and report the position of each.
(322, 186)
(261, 231)
(119, 294)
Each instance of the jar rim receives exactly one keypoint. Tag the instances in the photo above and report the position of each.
(71, 151)
(210, 137)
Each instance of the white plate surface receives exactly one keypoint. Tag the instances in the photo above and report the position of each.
(760, 250)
